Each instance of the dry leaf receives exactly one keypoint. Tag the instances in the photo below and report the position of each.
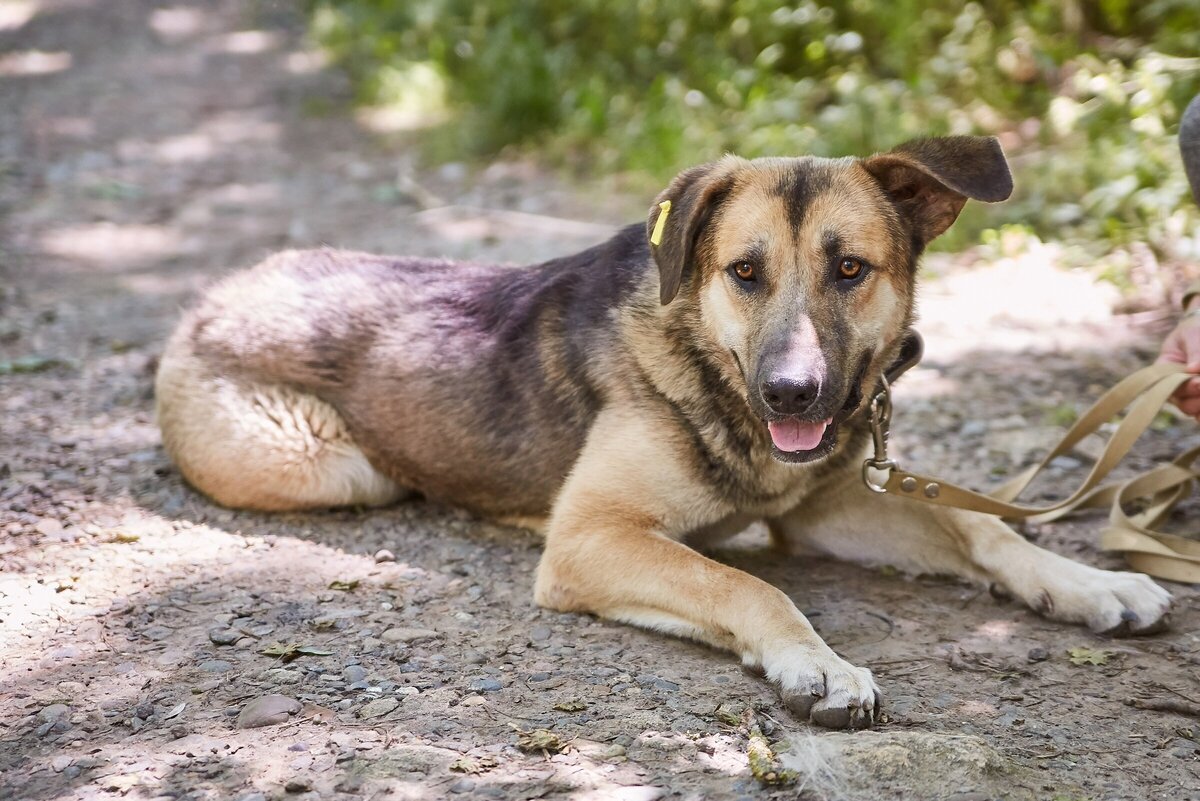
(571, 706)
(1088, 656)
(539, 740)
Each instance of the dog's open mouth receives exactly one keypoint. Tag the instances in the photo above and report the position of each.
(799, 441)
(793, 436)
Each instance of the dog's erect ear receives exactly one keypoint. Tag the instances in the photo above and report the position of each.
(930, 180)
(694, 194)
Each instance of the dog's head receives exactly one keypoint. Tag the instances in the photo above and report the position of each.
(796, 275)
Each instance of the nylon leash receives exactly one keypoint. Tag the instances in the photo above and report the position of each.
(1157, 491)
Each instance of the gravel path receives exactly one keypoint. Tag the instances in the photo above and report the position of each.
(153, 645)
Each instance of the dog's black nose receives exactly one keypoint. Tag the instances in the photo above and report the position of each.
(788, 396)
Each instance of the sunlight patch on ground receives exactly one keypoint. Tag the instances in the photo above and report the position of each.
(247, 42)
(34, 62)
(1023, 302)
(206, 141)
(1000, 630)
(110, 245)
(174, 24)
(305, 62)
(14, 14)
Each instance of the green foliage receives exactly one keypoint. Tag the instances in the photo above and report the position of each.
(1086, 93)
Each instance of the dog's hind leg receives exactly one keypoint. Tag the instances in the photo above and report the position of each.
(848, 521)
(261, 446)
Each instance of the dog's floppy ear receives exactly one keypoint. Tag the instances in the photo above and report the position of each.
(930, 180)
(694, 195)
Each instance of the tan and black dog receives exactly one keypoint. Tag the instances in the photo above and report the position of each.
(627, 400)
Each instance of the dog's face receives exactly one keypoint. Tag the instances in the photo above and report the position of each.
(797, 275)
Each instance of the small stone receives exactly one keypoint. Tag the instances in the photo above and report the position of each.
(972, 428)
(536, 677)
(253, 797)
(408, 635)
(224, 636)
(49, 527)
(269, 710)
(384, 555)
(614, 750)
(484, 685)
(60, 763)
(1037, 654)
(354, 674)
(54, 712)
(540, 634)
(378, 708)
(1066, 463)
(156, 633)
(299, 785)
(216, 666)
(462, 786)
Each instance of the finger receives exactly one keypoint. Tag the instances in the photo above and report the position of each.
(1190, 407)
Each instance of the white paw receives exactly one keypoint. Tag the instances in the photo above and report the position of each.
(1108, 602)
(818, 685)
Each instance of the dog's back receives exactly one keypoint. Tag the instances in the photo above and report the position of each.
(330, 378)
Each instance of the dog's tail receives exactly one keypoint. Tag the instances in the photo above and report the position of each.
(1189, 145)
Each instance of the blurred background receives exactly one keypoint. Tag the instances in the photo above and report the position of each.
(1084, 94)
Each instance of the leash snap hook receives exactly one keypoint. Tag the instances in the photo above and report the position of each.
(881, 421)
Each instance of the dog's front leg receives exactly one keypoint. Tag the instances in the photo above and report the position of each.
(846, 520)
(611, 550)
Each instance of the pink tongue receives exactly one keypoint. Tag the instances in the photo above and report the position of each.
(791, 436)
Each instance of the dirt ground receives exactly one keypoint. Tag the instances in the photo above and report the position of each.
(144, 149)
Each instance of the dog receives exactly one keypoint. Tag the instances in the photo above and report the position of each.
(662, 390)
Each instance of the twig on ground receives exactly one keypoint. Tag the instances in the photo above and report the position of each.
(1165, 705)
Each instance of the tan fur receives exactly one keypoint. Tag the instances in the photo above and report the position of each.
(615, 400)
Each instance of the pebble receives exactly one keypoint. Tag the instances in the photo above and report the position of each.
(253, 797)
(54, 712)
(378, 708)
(224, 636)
(540, 634)
(483, 685)
(60, 763)
(384, 555)
(156, 633)
(539, 677)
(1066, 463)
(216, 666)
(972, 428)
(298, 786)
(48, 526)
(355, 674)
(407, 635)
(268, 710)
(462, 786)
(1037, 654)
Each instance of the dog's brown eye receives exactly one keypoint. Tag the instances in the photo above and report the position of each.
(744, 270)
(849, 269)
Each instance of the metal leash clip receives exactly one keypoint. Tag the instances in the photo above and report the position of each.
(911, 350)
(881, 423)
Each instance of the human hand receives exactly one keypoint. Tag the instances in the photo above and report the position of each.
(1182, 346)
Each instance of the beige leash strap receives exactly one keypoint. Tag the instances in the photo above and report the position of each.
(1159, 490)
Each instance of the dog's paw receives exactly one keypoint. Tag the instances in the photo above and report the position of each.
(818, 685)
(1107, 602)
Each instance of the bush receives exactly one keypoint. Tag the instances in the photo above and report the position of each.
(1086, 95)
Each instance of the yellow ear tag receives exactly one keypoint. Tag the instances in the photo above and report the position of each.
(661, 223)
